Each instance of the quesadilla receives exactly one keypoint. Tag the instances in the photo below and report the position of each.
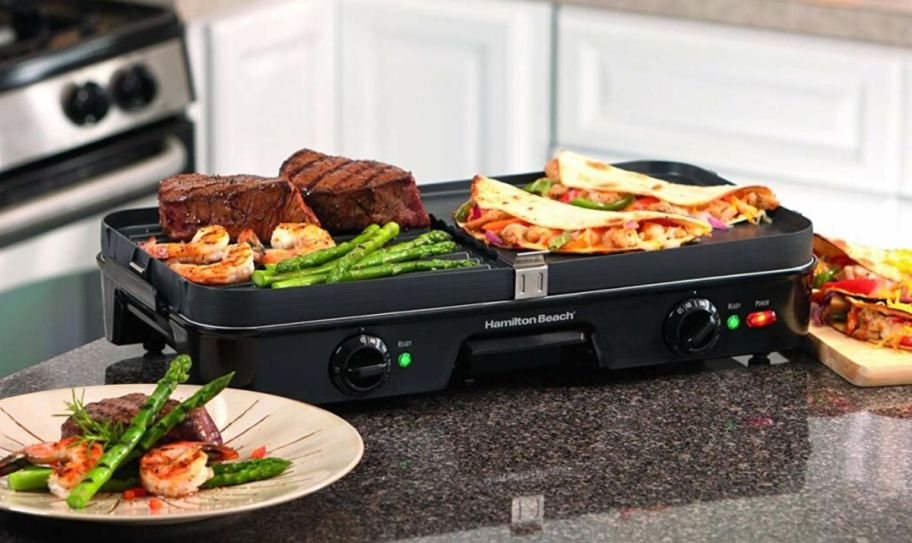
(863, 271)
(884, 323)
(577, 180)
(505, 216)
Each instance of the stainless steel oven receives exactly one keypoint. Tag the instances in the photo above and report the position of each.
(93, 99)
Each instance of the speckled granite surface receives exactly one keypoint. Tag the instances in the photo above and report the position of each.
(711, 452)
(887, 22)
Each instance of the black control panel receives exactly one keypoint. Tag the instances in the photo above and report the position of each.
(360, 365)
(692, 326)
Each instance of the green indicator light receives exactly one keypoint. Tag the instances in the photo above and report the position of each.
(405, 360)
(733, 322)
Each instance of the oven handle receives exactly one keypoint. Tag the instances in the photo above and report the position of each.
(105, 191)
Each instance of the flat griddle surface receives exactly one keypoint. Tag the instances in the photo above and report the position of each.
(783, 245)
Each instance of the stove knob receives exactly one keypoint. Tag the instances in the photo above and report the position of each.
(86, 104)
(360, 365)
(692, 326)
(134, 87)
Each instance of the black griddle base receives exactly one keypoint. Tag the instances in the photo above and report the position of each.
(603, 311)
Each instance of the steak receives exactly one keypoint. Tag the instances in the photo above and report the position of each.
(351, 194)
(190, 201)
(198, 426)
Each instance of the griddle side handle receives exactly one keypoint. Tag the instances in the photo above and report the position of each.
(131, 283)
(541, 340)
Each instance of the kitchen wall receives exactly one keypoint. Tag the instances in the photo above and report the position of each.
(449, 88)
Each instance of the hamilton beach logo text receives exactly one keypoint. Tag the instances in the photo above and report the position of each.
(528, 321)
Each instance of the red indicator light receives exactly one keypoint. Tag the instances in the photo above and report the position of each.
(759, 319)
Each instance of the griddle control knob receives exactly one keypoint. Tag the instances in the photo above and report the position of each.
(692, 326)
(360, 365)
(86, 104)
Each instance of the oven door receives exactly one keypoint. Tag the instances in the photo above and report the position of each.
(50, 296)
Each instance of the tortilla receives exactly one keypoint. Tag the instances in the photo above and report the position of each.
(892, 264)
(882, 323)
(727, 203)
(554, 218)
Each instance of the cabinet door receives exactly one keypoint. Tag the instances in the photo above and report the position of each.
(272, 85)
(765, 104)
(448, 88)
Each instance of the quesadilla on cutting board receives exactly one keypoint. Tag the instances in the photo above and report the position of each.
(577, 180)
(861, 270)
(864, 292)
(505, 216)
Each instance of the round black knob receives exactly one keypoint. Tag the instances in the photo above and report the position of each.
(360, 365)
(133, 88)
(692, 326)
(86, 104)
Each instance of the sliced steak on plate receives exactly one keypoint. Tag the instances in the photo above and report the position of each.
(351, 194)
(190, 201)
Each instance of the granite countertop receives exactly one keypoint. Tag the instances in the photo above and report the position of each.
(712, 451)
(887, 22)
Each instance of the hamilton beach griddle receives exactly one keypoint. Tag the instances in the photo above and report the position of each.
(743, 291)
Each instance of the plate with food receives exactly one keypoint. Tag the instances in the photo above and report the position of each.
(165, 452)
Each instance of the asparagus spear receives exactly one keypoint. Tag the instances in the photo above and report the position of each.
(415, 253)
(178, 414)
(325, 255)
(428, 238)
(36, 478)
(115, 455)
(374, 272)
(388, 232)
(248, 472)
(222, 468)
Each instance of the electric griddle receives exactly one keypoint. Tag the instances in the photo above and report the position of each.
(743, 291)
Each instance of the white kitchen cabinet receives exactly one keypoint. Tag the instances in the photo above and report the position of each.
(448, 88)
(771, 105)
(271, 86)
(906, 186)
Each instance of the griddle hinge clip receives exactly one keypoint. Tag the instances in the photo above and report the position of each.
(531, 275)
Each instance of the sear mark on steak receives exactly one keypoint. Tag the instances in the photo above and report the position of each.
(198, 426)
(352, 194)
(188, 202)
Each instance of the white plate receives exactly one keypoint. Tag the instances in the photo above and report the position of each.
(321, 446)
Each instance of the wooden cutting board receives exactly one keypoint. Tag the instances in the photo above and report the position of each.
(858, 362)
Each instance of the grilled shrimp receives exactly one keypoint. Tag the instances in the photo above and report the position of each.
(179, 468)
(235, 267)
(288, 240)
(209, 244)
(71, 457)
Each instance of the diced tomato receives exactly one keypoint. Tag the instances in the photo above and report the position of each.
(854, 286)
(569, 195)
(155, 505)
(498, 226)
(259, 452)
(642, 202)
(133, 493)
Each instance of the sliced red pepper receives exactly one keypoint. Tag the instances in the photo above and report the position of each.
(259, 452)
(156, 504)
(853, 286)
(906, 341)
(133, 493)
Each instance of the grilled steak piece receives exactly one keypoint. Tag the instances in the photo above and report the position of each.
(351, 194)
(198, 426)
(189, 201)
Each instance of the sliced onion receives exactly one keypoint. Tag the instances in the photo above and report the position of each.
(817, 314)
(631, 225)
(493, 238)
(716, 223)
